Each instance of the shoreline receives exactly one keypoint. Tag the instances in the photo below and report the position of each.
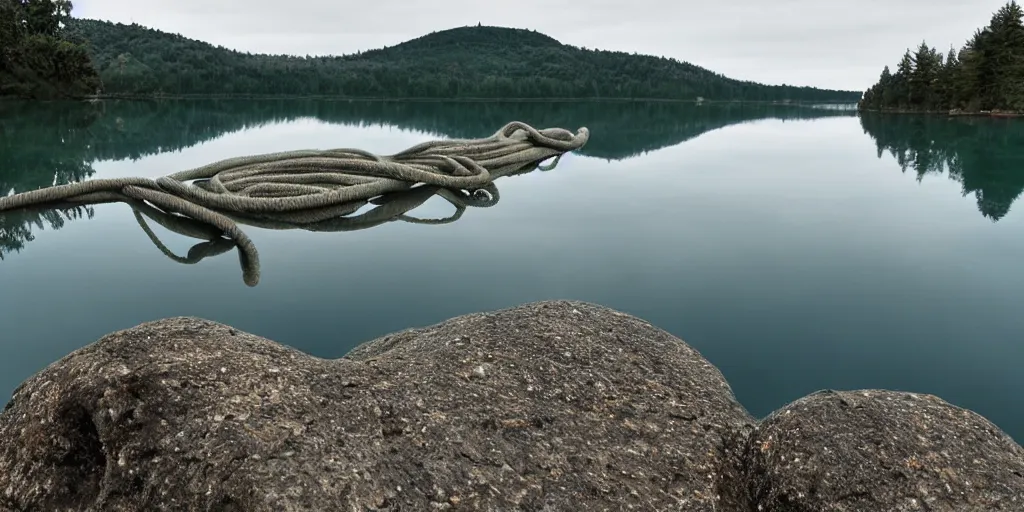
(996, 114)
(264, 97)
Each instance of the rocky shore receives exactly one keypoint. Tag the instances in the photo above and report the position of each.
(545, 406)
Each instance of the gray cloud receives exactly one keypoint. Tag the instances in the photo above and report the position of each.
(802, 42)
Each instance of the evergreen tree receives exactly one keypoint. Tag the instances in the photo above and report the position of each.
(1008, 54)
(900, 94)
(923, 77)
(946, 78)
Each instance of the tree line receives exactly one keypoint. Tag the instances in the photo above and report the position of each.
(986, 74)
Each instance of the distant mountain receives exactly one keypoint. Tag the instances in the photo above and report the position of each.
(466, 62)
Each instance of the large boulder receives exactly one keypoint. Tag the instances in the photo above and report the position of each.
(546, 406)
(882, 450)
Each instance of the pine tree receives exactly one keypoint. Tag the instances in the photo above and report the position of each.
(899, 98)
(926, 64)
(947, 97)
(1008, 53)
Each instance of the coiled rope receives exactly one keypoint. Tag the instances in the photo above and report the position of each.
(312, 189)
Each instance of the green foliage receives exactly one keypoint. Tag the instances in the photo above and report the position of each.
(987, 74)
(983, 155)
(467, 62)
(45, 17)
(37, 60)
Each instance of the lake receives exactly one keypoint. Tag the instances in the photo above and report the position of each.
(796, 248)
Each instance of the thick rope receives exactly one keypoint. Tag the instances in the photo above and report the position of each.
(314, 189)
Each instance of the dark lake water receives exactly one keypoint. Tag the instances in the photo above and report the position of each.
(796, 248)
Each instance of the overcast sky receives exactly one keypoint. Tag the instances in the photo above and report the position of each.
(823, 43)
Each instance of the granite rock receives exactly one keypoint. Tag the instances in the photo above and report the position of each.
(882, 450)
(546, 406)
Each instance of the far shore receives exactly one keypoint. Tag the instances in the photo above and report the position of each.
(148, 97)
(951, 113)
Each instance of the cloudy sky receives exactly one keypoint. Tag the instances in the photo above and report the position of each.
(823, 43)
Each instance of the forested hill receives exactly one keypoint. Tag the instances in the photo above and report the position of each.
(987, 74)
(466, 62)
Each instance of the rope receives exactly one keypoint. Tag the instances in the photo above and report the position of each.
(314, 189)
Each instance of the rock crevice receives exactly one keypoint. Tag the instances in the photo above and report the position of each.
(546, 406)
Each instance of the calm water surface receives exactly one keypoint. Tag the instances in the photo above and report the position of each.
(797, 249)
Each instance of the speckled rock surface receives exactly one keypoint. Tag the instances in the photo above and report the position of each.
(874, 450)
(546, 406)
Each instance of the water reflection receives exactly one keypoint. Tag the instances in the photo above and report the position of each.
(115, 130)
(56, 143)
(986, 156)
(16, 226)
